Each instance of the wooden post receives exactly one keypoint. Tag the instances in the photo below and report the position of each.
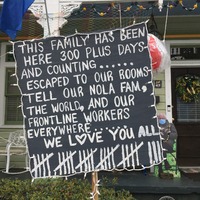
(94, 185)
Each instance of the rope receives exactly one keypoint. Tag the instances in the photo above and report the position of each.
(166, 19)
(120, 15)
(47, 17)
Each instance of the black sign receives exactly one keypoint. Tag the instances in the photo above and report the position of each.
(88, 102)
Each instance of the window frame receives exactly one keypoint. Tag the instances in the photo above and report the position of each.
(18, 113)
(4, 64)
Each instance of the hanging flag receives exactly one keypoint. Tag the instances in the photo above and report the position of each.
(11, 16)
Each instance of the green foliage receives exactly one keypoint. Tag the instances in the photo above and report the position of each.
(188, 88)
(57, 189)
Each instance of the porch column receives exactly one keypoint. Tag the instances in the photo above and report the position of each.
(57, 12)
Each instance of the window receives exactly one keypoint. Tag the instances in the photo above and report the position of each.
(188, 112)
(9, 55)
(13, 114)
(185, 53)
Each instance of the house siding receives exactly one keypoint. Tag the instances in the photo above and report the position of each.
(161, 106)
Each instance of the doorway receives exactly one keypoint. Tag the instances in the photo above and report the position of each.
(186, 114)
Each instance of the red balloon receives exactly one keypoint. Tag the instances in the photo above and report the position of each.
(156, 55)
